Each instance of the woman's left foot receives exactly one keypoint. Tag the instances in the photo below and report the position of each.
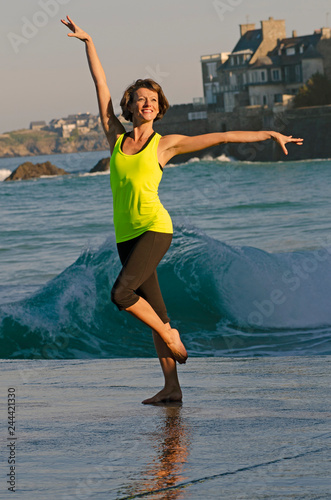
(165, 396)
(176, 346)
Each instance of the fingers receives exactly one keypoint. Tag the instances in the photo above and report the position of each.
(68, 25)
(284, 148)
(71, 25)
(290, 138)
(296, 140)
(70, 20)
(284, 139)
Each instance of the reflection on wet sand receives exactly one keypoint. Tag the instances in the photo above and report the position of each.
(171, 444)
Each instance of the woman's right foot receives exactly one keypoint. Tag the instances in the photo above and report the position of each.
(176, 346)
(165, 396)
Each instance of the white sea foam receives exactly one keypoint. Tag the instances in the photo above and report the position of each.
(171, 165)
(4, 173)
(93, 174)
(223, 157)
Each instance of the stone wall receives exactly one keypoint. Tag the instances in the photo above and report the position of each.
(313, 124)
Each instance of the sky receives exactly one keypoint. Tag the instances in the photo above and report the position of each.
(45, 74)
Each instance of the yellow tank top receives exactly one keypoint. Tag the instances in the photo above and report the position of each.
(134, 181)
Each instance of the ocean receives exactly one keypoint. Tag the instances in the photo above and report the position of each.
(247, 274)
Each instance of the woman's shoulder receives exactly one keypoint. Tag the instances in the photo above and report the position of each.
(170, 140)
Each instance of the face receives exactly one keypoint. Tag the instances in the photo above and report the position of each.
(145, 105)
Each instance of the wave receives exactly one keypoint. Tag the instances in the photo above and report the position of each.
(93, 174)
(225, 158)
(4, 173)
(225, 300)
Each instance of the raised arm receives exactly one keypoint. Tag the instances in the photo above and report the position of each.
(111, 124)
(178, 144)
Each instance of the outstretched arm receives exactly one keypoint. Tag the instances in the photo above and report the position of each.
(179, 144)
(111, 124)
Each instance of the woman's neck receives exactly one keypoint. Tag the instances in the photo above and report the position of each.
(142, 131)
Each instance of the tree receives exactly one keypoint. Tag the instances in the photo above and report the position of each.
(316, 92)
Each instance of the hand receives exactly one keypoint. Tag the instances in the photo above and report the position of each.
(76, 31)
(284, 139)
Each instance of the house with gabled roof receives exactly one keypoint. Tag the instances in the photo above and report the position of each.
(37, 125)
(266, 68)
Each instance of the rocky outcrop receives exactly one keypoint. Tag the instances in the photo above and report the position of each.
(30, 170)
(101, 166)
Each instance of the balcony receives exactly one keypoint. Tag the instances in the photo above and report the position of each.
(231, 88)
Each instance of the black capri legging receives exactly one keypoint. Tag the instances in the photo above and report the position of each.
(138, 278)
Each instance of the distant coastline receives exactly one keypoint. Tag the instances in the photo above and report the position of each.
(311, 123)
(28, 142)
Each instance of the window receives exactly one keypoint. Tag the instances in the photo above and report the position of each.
(197, 115)
(210, 92)
(263, 76)
(278, 98)
(290, 51)
(264, 100)
(233, 79)
(276, 75)
(212, 70)
(255, 100)
(298, 73)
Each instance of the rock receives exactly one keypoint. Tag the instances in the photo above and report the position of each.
(101, 166)
(30, 170)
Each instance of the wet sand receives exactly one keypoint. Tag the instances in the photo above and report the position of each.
(255, 428)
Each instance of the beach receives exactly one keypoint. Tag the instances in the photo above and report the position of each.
(247, 429)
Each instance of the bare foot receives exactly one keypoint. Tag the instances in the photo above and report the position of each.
(176, 346)
(165, 396)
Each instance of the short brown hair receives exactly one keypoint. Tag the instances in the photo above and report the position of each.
(150, 84)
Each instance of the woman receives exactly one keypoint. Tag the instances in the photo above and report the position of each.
(143, 227)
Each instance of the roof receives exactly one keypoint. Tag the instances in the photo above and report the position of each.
(296, 42)
(248, 44)
(304, 48)
(250, 40)
(311, 53)
(305, 39)
(262, 61)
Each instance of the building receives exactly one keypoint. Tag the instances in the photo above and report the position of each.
(265, 67)
(37, 125)
(211, 85)
(83, 122)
